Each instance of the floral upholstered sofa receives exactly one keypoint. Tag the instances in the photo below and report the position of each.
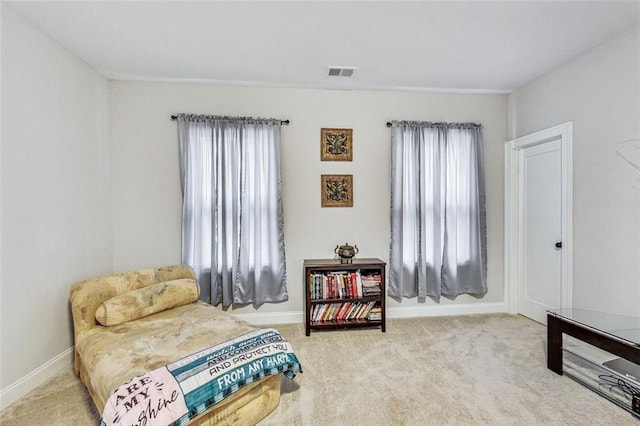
(128, 324)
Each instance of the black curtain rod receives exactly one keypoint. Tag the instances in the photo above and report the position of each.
(284, 122)
(389, 124)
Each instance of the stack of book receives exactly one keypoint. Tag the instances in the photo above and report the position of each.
(375, 314)
(371, 285)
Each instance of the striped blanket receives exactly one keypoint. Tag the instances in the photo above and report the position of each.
(175, 393)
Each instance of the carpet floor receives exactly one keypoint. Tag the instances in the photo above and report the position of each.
(472, 369)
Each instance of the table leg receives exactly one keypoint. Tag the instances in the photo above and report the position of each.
(554, 344)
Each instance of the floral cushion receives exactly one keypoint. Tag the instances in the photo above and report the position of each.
(139, 303)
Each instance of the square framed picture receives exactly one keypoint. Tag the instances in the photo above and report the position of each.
(336, 144)
(337, 190)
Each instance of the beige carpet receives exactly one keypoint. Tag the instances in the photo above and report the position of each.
(478, 369)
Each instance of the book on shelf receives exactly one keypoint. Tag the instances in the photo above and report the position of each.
(329, 313)
(318, 312)
(343, 310)
(352, 313)
(358, 279)
(322, 312)
(375, 314)
(360, 311)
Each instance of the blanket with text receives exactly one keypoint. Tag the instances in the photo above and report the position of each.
(175, 393)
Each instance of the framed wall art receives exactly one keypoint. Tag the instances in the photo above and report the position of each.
(337, 190)
(336, 144)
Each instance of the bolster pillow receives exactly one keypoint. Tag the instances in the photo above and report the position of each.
(148, 300)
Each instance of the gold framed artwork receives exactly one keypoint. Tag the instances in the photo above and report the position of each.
(336, 144)
(337, 190)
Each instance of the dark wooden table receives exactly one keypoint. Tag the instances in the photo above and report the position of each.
(616, 334)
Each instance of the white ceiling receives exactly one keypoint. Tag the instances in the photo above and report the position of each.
(466, 46)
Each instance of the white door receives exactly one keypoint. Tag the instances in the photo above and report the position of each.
(541, 230)
(538, 229)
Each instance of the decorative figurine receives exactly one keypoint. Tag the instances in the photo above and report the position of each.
(346, 252)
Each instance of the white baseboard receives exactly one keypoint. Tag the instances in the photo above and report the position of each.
(417, 311)
(265, 318)
(414, 311)
(26, 384)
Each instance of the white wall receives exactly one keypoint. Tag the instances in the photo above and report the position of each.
(600, 92)
(55, 198)
(146, 192)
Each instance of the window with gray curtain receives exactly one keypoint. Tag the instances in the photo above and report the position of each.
(232, 218)
(438, 218)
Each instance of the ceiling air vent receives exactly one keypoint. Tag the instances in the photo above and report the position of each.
(341, 71)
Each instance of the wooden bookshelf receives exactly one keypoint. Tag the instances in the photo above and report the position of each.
(344, 295)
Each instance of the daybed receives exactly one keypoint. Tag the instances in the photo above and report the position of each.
(136, 339)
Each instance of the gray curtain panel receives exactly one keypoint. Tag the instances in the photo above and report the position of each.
(232, 217)
(438, 217)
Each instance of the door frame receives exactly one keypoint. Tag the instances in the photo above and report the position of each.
(513, 215)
